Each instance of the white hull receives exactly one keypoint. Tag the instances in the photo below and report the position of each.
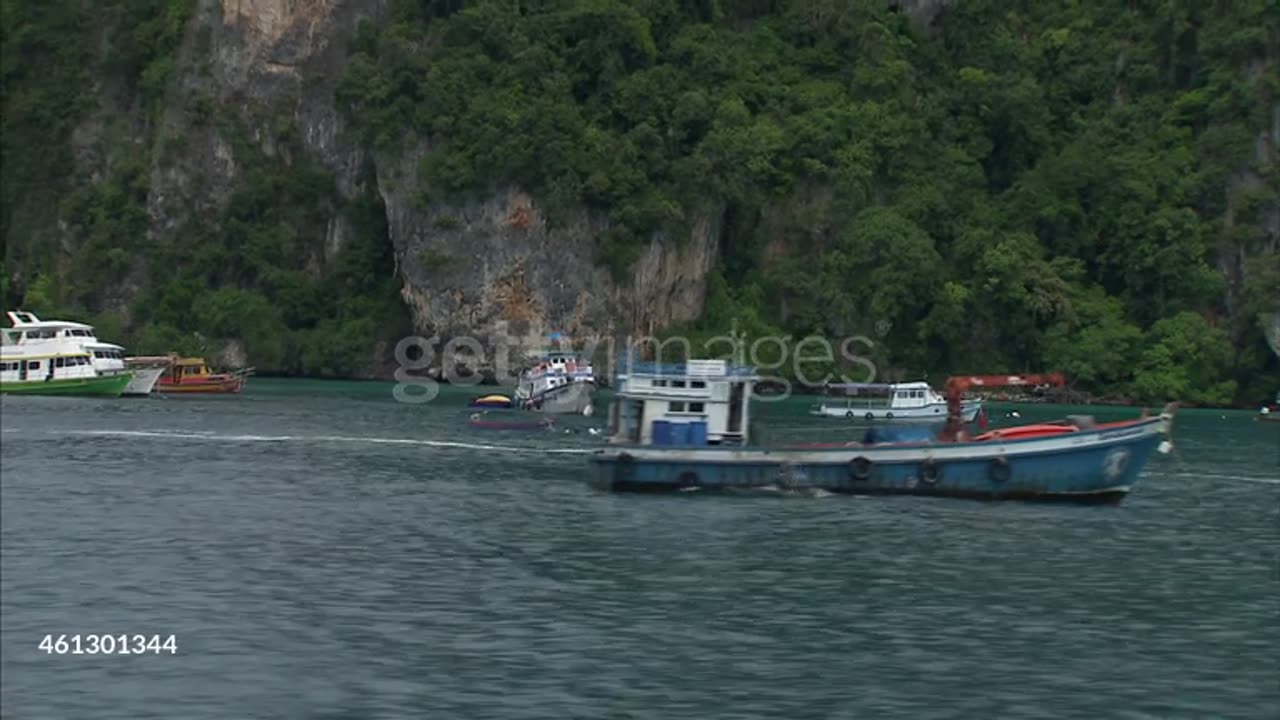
(144, 380)
(571, 399)
(928, 413)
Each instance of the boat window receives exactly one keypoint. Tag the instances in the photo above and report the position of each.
(33, 365)
(697, 383)
(59, 362)
(659, 383)
(677, 383)
(675, 407)
(697, 407)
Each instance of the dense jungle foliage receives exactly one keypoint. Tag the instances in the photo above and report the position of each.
(258, 274)
(1080, 186)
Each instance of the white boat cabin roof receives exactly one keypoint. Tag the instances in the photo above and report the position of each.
(693, 369)
(26, 321)
(872, 388)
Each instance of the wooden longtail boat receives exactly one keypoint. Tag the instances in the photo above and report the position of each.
(192, 376)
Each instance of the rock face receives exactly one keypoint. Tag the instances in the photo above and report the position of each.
(491, 269)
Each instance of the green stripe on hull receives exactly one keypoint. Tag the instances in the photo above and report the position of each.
(103, 385)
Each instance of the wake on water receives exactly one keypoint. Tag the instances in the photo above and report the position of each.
(319, 438)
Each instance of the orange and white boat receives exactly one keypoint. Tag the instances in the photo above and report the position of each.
(192, 375)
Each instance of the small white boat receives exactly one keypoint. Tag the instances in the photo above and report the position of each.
(73, 338)
(875, 402)
(560, 383)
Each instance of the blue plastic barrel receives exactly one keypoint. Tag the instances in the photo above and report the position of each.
(661, 432)
(679, 433)
(698, 432)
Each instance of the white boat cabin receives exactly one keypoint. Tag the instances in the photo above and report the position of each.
(571, 366)
(553, 370)
(34, 367)
(700, 402)
(882, 396)
(31, 335)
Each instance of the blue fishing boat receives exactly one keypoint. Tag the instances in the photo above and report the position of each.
(680, 427)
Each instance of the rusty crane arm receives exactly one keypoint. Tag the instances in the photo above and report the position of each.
(957, 385)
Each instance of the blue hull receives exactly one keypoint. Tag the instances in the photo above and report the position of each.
(1087, 466)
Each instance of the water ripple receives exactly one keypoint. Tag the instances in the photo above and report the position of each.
(325, 557)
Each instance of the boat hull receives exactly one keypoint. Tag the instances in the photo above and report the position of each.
(143, 382)
(1086, 466)
(929, 413)
(100, 386)
(213, 387)
(571, 399)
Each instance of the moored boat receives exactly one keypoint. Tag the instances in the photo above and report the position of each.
(1270, 412)
(24, 371)
(559, 383)
(491, 401)
(1078, 459)
(191, 375)
(62, 337)
(890, 402)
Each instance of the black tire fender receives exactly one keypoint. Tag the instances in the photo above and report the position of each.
(930, 471)
(999, 469)
(624, 468)
(860, 469)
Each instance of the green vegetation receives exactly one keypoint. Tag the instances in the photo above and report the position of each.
(1076, 186)
(1034, 187)
(263, 273)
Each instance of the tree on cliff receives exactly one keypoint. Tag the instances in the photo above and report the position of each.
(1085, 186)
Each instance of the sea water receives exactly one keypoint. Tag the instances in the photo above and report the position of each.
(319, 550)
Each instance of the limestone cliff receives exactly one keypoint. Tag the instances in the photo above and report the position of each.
(487, 268)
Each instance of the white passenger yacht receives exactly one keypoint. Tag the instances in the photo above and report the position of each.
(910, 401)
(55, 337)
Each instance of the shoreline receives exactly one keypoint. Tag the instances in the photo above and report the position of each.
(1077, 399)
